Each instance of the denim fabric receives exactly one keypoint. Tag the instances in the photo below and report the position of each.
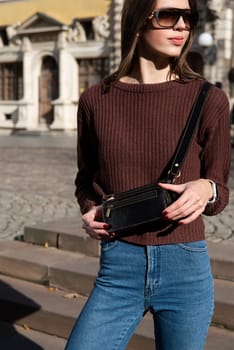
(172, 281)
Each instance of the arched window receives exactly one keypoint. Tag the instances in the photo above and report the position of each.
(48, 89)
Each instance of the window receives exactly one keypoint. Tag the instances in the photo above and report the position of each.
(11, 81)
(48, 89)
(92, 71)
(88, 27)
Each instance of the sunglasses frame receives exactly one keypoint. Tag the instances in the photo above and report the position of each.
(193, 16)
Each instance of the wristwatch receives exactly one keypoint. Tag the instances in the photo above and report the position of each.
(215, 192)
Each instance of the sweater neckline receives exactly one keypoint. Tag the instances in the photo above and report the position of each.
(151, 87)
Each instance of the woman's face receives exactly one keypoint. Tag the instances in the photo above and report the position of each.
(159, 40)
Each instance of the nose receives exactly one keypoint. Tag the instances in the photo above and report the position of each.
(180, 24)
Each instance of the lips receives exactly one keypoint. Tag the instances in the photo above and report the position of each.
(178, 40)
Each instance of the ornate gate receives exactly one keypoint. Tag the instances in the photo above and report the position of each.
(48, 89)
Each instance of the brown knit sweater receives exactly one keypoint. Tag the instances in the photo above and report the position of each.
(128, 133)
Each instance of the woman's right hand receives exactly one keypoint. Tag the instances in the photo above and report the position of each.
(93, 227)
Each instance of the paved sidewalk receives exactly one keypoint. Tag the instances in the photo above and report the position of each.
(37, 175)
(37, 184)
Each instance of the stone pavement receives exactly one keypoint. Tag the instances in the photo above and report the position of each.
(36, 180)
(37, 184)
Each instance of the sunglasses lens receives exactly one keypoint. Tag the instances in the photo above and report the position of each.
(167, 18)
(187, 19)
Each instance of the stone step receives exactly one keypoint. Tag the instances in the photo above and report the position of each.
(66, 234)
(224, 304)
(48, 266)
(53, 311)
(17, 337)
(77, 272)
(14, 337)
(44, 319)
(222, 259)
(219, 338)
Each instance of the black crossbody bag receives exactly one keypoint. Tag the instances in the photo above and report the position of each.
(133, 209)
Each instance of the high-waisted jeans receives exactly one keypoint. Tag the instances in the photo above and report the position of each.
(172, 281)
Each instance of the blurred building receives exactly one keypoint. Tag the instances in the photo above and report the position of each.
(213, 48)
(51, 51)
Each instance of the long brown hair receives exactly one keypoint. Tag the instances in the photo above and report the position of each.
(134, 15)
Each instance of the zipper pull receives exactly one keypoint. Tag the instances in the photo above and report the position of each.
(108, 211)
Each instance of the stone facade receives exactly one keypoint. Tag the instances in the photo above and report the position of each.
(45, 63)
(44, 66)
(219, 57)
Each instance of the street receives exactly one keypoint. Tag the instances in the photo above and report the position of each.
(37, 184)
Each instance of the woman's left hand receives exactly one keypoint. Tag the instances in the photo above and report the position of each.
(193, 199)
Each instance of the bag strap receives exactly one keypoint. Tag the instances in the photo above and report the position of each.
(187, 134)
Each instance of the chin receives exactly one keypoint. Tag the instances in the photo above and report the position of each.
(174, 54)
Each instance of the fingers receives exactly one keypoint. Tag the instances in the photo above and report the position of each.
(95, 228)
(182, 208)
(171, 187)
(188, 207)
(190, 218)
(185, 213)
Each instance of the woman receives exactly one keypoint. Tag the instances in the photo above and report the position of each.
(128, 129)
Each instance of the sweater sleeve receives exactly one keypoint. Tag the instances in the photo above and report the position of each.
(87, 158)
(216, 154)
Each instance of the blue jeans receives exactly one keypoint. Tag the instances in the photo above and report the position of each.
(173, 282)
